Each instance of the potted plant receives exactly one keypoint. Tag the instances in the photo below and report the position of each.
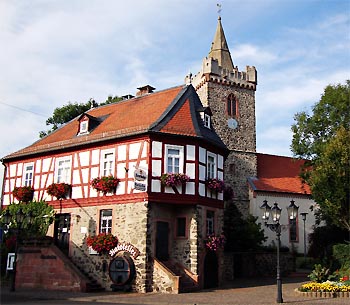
(174, 179)
(216, 185)
(59, 190)
(105, 184)
(213, 243)
(23, 193)
(102, 243)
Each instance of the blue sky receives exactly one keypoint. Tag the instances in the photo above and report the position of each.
(53, 52)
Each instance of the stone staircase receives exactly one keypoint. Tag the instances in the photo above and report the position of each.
(188, 281)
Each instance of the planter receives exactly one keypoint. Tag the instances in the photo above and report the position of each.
(323, 294)
(23, 193)
(105, 184)
(59, 190)
(215, 185)
(174, 179)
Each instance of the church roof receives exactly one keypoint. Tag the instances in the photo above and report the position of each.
(219, 48)
(279, 174)
(173, 111)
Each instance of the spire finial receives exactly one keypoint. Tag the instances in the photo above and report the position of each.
(218, 5)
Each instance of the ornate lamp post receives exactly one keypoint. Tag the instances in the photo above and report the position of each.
(19, 218)
(275, 212)
(303, 215)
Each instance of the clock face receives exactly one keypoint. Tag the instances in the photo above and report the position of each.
(232, 123)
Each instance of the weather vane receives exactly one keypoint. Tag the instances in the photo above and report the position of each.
(218, 5)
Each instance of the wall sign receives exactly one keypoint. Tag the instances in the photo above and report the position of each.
(134, 252)
(140, 174)
(10, 261)
(140, 178)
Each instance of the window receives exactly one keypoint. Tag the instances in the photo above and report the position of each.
(210, 222)
(84, 126)
(207, 120)
(106, 221)
(293, 234)
(107, 163)
(231, 106)
(28, 174)
(63, 172)
(181, 227)
(174, 159)
(211, 165)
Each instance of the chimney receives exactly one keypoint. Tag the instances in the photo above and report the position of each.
(127, 97)
(145, 90)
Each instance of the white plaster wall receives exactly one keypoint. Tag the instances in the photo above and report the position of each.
(304, 205)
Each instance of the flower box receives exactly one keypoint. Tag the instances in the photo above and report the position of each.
(174, 179)
(59, 190)
(213, 243)
(216, 185)
(23, 193)
(105, 184)
(102, 243)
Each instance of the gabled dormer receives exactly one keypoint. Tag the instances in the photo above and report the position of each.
(206, 114)
(87, 123)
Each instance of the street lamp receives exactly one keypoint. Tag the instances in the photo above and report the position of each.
(19, 218)
(275, 212)
(303, 215)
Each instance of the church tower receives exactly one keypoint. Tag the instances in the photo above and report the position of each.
(230, 94)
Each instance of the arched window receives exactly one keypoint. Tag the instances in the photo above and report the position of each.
(232, 106)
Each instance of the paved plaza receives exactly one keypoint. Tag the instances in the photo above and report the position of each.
(239, 292)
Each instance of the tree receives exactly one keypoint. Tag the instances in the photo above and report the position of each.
(323, 140)
(64, 114)
(241, 234)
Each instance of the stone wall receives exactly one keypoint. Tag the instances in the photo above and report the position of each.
(129, 225)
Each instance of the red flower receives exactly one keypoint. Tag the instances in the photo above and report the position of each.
(59, 190)
(105, 184)
(23, 193)
(103, 242)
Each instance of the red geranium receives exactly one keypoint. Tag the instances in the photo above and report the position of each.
(59, 190)
(105, 184)
(23, 193)
(103, 242)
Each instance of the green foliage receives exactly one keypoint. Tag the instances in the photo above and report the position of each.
(319, 274)
(323, 138)
(322, 240)
(241, 234)
(68, 112)
(43, 215)
(341, 252)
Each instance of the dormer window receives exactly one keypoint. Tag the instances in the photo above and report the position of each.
(84, 127)
(206, 114)
(207, 120)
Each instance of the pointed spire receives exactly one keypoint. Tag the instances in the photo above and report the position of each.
(219, 49)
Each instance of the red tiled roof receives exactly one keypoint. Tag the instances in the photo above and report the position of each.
(168, 111)
(181, 119)
(279, 174)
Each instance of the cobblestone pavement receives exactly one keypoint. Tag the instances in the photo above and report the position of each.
(238, 292)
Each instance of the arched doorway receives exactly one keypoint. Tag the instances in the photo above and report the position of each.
(211, 278)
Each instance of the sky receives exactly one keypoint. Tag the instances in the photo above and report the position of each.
(59, 51)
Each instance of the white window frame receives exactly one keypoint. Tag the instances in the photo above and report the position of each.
(207, 120)
(107, 162)
(107, 227)
(28, 174)
(67, 168)
(84, 127)
(212, 166)
(169, 147)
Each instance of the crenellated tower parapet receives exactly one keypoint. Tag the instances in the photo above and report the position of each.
(211, 71)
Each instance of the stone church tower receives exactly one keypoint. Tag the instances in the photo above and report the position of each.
(230, 94)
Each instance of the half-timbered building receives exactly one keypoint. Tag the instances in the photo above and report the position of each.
(161, 228)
